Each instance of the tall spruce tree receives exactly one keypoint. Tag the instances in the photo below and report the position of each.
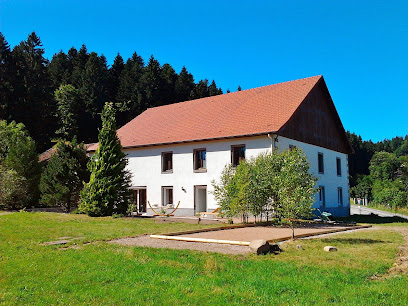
(6, 78)
(79, 60)
(129, 92)
(169, 77)
(33, 104)
(59, 70)
(114, 76)
(184, 85)
(108, 189)
(93, 94)
(152, 85)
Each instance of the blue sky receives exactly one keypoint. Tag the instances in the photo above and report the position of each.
(360, 47)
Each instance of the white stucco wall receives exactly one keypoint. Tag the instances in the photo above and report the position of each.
(145, 167)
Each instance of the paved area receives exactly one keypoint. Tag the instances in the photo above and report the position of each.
(262, 232)
(363, 210)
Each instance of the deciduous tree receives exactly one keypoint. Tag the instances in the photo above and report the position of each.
(20, 170)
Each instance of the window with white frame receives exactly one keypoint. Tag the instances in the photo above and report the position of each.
(200, 160)
(167, 195)
(237, 154)
(167, 162)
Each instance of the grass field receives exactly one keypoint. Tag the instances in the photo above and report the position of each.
(102, 273)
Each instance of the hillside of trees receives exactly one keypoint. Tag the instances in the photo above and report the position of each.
(64, 96)
(379, 171)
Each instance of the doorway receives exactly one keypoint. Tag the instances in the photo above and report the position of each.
(200, 199)
(140, 199)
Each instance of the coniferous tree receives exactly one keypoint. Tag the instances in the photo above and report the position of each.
(129, 93)
(59, 70)
(114, 74)
(200, 90)
(6, 78)
(169, 76)
(108, 189)
(63, 177)
(79, 60)
(151, 84)
(93, 83)
(33, 104)
(184, 85)
(93, 94)
(213, 90)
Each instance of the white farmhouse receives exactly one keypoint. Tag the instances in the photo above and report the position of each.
(176, 150)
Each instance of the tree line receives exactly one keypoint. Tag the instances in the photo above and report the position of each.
(379, 171)
(64, 97)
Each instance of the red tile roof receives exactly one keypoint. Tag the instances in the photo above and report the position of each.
(249, 112)
(45, 156)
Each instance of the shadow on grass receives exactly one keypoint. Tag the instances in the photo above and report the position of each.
(374, 219)
(354, 241)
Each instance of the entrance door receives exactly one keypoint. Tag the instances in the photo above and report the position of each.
(140, 199)
(200, 199)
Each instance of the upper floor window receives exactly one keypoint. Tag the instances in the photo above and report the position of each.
(237, 154)
(338, 166)
(320, 162)
(200, 161)
(322, 196)
(167, 162)
(340, 196)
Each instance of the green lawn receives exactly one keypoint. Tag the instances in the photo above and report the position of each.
(102, 273)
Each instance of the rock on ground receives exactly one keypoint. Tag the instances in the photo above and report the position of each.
(330, 248)
(259, 247)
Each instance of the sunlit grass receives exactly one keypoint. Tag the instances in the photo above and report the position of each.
(104, 273)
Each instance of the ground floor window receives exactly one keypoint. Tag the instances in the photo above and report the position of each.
(340, 196)
(322, 196)
(167, 195)
(139, 196)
